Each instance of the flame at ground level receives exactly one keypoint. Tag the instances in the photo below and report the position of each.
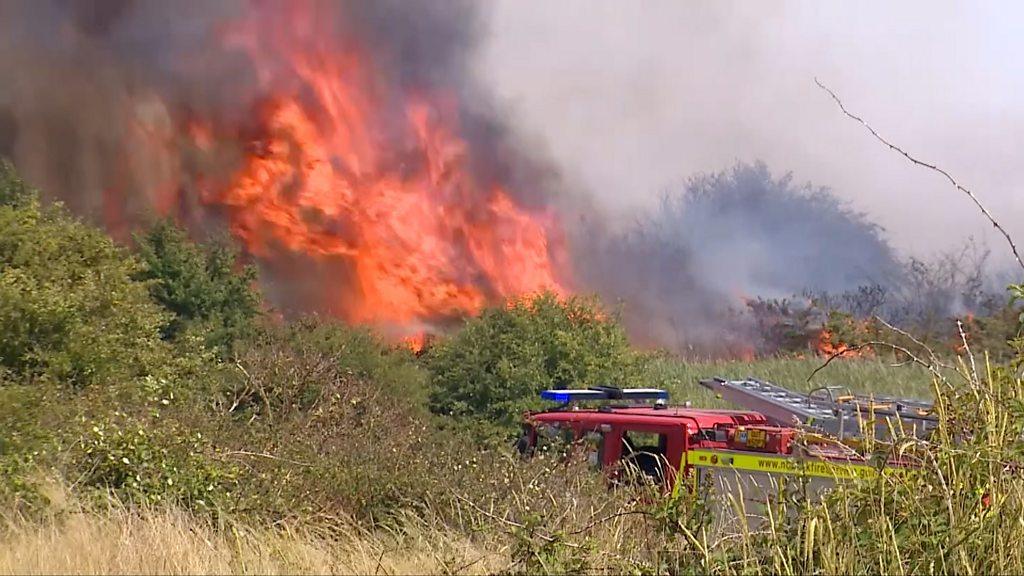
(828, 345)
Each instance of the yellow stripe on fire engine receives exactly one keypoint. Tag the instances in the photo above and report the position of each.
(770, 464)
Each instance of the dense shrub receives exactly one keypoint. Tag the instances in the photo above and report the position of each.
(325, 419)
(147, 465)
(494, 367)
(69, 308)
(352, 351)
(198, 284)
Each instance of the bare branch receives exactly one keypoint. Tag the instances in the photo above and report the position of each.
(914, 339)
(967, 350)
(932, 167)
(259, 386)
(876, 344)
(845, 351)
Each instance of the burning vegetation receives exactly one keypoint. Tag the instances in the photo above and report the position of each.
(334, 141)
(380, 193)
(350, 151)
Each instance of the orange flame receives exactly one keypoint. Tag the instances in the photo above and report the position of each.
(828, 346)
(388, 200)
(416, 342)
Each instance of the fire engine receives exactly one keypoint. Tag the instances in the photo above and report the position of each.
(814, 435)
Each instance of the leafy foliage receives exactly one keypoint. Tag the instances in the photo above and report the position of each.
(69, 307)
(494, 367)
(14, 192)
(145, 466)
(1017, 296)
(198, 284)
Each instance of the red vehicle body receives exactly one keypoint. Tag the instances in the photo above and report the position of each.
(686, 442)
(680, 430)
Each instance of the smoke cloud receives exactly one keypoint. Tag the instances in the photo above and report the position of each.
(98, 98)
(85, 79)
(685, 270)
(630, 97)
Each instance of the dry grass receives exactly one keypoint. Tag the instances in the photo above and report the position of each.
(959, 511)
(171, 542)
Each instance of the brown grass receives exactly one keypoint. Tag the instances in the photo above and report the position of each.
(118, 541)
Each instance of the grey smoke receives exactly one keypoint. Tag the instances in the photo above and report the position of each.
(83, 83)
(77, 73)
(686, 268)
(630, 96)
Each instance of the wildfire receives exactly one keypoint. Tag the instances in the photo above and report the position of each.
(380, 193)
(416, 342)
(827, 345)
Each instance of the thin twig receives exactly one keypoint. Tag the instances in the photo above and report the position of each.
(267, 456)
(933, 167)
(931, 353)
(932, 356)
(262, 391)
(380, 562)
(608, 518)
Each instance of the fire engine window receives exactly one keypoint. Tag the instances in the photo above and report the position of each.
(644, 440)
(645, 451)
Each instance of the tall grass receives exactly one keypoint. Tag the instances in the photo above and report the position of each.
(121, 540)
(961, 510)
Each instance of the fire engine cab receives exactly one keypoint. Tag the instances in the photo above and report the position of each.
(635, 429)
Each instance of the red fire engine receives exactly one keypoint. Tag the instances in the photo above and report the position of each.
(791, 434)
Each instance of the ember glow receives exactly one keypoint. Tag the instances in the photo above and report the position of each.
(374, 182)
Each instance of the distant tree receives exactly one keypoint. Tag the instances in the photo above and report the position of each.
(200, 284)
(687, 264)
(494, 367)
(70, 309)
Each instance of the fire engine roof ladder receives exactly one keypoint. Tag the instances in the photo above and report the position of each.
(840, 416)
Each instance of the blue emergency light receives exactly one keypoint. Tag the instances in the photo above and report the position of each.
(604, 393)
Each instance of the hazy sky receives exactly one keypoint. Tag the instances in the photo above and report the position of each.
(632, 97)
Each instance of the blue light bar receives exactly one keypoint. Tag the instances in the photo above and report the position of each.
(604, 393)
(566, 396)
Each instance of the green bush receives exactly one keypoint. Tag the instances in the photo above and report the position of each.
(69, 308)
(27, 426)
(325, 419)
(14, 192)
(1016, 297)
(199, 284)
(147, 465)
(494, 368)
